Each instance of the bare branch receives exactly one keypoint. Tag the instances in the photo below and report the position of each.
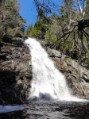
(79, 6)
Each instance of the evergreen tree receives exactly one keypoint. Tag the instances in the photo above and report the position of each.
(67, 13)
(40, 27)
(11, 23)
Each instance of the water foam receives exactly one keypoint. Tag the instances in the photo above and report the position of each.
(48, 82)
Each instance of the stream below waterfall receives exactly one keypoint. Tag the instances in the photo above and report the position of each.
(46, 110)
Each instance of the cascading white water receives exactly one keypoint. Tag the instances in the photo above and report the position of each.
(47, 81)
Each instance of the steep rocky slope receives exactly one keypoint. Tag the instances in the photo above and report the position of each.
(76, 75)
(16, 72)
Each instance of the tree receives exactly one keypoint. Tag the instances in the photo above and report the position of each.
(66, 31)
(68, 13)
(11, 23)
(87, 9)
(44, 5)
(40, 27)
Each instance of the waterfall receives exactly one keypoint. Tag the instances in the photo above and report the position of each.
(48, 82)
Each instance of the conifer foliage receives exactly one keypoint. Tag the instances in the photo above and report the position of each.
(11, 23)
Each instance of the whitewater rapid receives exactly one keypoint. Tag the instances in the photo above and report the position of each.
(47, 81)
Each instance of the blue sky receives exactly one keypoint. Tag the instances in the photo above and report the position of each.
(28, 10)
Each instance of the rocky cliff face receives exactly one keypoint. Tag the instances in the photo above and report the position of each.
(15, 72)
(76, 75)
